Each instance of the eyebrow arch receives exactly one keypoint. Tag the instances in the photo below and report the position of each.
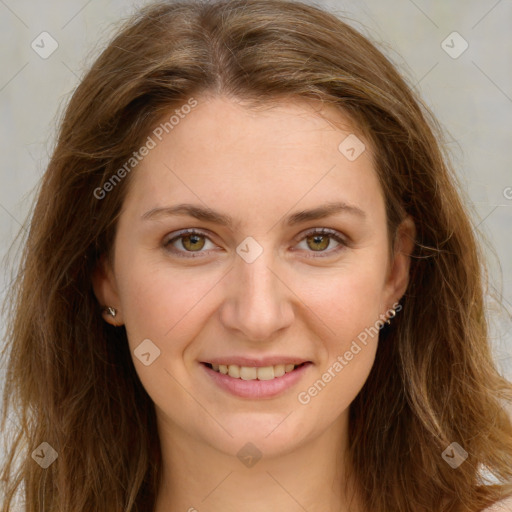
(209, 215)
(325, 211)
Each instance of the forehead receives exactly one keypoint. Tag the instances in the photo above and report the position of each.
(226, 154)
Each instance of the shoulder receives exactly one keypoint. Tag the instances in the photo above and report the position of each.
(502, 506)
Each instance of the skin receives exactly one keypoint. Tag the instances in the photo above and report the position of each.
(298, 298)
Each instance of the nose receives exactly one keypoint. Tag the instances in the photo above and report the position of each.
(258, 305)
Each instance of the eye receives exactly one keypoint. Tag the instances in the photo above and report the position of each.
(190, 240)
(318, 240)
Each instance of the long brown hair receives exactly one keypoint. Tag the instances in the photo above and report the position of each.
(70, 376)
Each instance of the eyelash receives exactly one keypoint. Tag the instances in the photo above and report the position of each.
(317, 231)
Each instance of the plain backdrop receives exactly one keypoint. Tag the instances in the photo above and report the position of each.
(470, 92)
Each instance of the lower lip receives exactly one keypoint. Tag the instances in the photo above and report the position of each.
(258, 389)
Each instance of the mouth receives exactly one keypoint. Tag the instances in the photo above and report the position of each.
(256, 382)
(254, 372)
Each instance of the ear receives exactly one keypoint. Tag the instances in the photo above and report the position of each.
(105, 289)
(398, 275)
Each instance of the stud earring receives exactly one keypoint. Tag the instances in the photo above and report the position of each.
(392, 314)
(111, 311)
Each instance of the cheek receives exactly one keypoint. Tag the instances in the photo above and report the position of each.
(347, 301)
(166, 306)
(159, 302)
(350, 310)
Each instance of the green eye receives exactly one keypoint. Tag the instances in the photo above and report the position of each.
(193, 242)
(186, 243)
(318, 242)
(190, 243)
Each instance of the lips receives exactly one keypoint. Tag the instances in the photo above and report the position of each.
(256, 379)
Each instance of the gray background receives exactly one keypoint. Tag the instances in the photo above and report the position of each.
(471, 96)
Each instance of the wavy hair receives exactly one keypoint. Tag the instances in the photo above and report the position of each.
(70, 378)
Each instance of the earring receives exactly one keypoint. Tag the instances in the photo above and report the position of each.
(392, 314)
(111, 311)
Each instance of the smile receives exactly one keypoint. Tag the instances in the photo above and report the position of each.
(253, 372)
(256, 382)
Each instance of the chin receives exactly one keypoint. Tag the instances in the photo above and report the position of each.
(264, 433)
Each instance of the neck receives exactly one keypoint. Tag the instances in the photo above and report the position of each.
(199, 477)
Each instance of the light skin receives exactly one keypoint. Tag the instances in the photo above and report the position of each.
(305, 296)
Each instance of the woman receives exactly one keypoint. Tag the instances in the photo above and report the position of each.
(250, 284)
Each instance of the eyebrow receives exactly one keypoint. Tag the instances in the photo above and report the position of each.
(209, 215)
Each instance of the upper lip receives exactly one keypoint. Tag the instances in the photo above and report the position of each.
(256, 362)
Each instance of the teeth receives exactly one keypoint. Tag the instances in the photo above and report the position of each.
(266, 373)
(234, 371)
(279, 370)
(253, 373)
(247, 373)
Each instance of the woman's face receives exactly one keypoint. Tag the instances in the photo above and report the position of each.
(254, 289)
